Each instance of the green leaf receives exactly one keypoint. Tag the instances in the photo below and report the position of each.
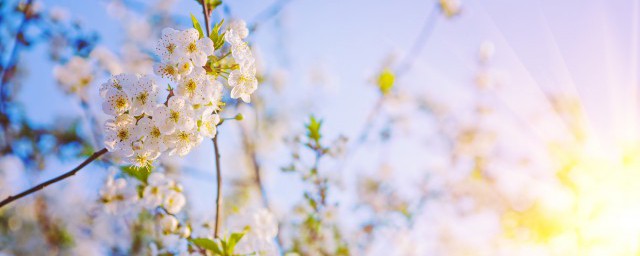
(196, 25)
(234, 238)
(141, 174)
(207, 244)
(220, 41)
(216, 37)
(313, 130)
(385, 81)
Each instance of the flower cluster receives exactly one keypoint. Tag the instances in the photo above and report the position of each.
(75, 76)
(158, 192)
(142, 129)
(163, 192)
(243, 79)
(116, 195)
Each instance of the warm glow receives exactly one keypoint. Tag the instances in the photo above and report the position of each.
(592, 210)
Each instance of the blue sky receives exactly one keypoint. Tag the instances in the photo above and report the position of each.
(587, 48)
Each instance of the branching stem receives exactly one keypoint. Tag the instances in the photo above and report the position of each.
(40, 186)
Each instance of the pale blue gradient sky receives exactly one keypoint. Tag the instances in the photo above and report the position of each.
(570, 46)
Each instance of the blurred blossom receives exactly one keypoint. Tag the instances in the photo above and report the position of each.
(75, 76)
(261, 227)
(107, 60)
(11, 175)
(58, 14)
(116, 195)
(487, 49)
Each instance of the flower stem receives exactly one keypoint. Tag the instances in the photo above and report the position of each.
(40, 186)
(219, 185)
(206, 12)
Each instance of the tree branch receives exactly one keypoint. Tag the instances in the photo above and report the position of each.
(40, 186)
(206, 12)
(219, 183)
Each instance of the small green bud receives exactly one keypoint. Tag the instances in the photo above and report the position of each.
(239, 117)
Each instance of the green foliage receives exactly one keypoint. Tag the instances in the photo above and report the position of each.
(141, 174)
(216, 37)
(222, 247)
(197, 26)
(385, 81)
(313, 130)
(207, 244)
(211, 4)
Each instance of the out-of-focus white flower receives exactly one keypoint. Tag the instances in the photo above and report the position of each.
(168, 223)
(153, 193)
(487, 49)
(107, 60)
(239, 27)
(11, 171)
(261, 227)
(116, 195)
(174, 201)
(184, 231)
(58, 14)
(75, 76)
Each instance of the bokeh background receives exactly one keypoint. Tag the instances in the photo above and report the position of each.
(511, 127)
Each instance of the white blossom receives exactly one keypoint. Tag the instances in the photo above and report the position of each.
(116, 102)
(120, 135)
(183, 140)
(143, 93)
(192, 86)
(176, 115)
(244, 82)
(167, 46)
(208, 125)
(193, 48)
(174, 201)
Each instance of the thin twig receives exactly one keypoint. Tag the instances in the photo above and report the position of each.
(267, 13)
(216, 152)
(426, 30)
(40, 186)
(219, 185)
(206, 12)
